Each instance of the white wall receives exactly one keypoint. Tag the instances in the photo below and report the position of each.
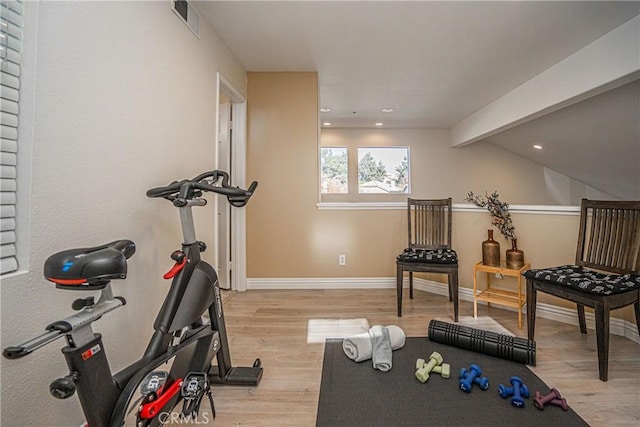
(125, 100)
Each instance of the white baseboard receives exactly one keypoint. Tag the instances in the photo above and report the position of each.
(547, 311)
(323, 283)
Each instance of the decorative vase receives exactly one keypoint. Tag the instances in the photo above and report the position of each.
(491, 251)
(515, 257)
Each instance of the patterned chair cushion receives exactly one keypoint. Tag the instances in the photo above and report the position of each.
(435, 256)
(586, 280)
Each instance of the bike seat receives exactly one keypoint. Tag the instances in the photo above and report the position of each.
(89, 268)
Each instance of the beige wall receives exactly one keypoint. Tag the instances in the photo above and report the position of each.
(289, 237)
(439, 171)
(282, 135)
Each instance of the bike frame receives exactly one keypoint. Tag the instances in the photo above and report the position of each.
(194, 291)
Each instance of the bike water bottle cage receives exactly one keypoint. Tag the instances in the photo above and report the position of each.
(89, 268)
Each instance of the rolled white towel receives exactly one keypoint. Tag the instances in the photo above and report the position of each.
(359, 348)
(381, 353)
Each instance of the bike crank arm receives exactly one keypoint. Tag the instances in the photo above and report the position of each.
(151, 409)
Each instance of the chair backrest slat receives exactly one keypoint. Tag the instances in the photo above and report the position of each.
(619, 226)
(631, 234)
(609, 236)
(429, 223)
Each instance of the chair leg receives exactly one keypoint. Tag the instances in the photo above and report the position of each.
(399, 273)
(453, 285)
(581, 320)
(602, 338)
(411, 284)
(637, 305)
(531, 309)
(450, 283)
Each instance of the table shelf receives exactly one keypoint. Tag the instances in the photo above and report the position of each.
(516, 299)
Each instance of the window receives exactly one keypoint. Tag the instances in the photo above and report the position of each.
(383, 170)
(11, 22)
(334, 168)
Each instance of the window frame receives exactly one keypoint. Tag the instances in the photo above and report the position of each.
(353, 196)
(391, 147)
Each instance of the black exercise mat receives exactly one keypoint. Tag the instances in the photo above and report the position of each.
(355, 394)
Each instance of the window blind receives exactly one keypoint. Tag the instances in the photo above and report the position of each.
(11, 23)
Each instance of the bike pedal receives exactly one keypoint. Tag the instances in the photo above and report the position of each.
(153, 382)
(194, 386)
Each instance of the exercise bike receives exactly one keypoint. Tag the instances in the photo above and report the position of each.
(189, 330)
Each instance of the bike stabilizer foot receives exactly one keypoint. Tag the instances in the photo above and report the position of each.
(239, 375)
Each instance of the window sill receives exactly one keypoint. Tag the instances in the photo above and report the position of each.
(361, 205)
(526, 209)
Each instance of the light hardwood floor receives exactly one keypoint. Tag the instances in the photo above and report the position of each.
(272, 325)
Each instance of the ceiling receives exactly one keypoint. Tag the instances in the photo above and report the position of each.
(437, 63)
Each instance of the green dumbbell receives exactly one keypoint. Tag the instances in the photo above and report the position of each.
(444, 370)
(422, 374)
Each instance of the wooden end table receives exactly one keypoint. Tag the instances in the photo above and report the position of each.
(499, 296)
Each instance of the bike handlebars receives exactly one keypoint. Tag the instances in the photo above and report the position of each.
(181, 192)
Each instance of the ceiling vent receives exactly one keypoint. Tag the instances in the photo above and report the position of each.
(187, 14)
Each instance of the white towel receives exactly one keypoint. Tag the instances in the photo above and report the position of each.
(359, 348)
(381, 348)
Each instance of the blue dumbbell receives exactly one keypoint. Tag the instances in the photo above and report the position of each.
(518, 391)
(471, 376)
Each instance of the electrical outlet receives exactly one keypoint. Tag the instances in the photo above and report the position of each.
(342, 259)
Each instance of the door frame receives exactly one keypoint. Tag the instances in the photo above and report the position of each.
(238, 150)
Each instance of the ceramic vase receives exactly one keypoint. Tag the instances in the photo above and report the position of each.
(491, 251)
(515, 257)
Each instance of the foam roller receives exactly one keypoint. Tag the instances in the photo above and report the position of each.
(491, 343)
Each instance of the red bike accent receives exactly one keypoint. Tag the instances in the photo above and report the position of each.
(67, 281)
(175, 269)
(151, 409)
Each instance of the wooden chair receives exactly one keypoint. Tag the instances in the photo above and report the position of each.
(429, 251)
(609, 242)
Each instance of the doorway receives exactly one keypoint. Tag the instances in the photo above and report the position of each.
(231, 157)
